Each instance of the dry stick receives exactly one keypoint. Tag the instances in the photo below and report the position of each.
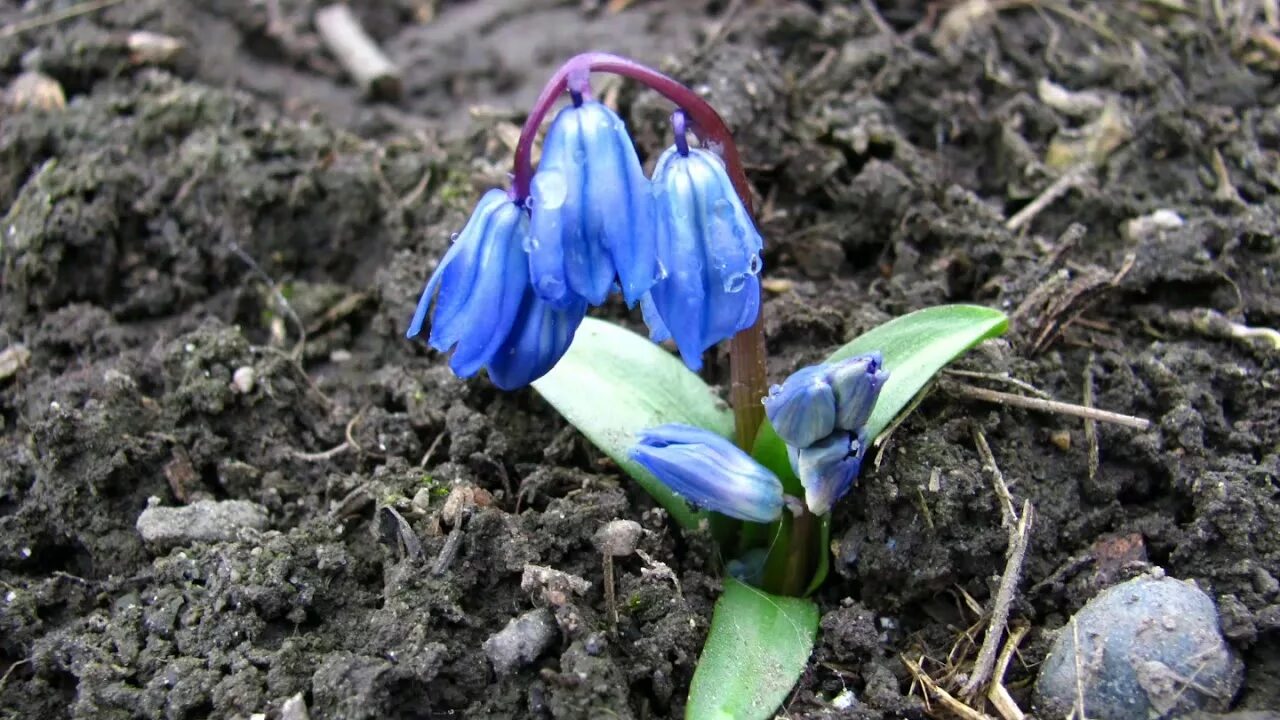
(1001, 378)
(1018, 541)
(1090, 425)
(55, 17)
(999, 694)
(360, 56)
(1070, 179)
(1007, 516)
(941, 695)
(1050, 406)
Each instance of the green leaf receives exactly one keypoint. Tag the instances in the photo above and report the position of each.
(758, 646)
(613, 383)
(916, 346)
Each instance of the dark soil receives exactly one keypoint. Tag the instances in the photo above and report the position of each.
(168, 233)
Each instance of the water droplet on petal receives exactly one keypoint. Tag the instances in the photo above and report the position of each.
(579, 155)
(724, 209)
(453, 238)
(550, 286)
(755, 265)
(735, 282)
(550, 189)
(529, 243)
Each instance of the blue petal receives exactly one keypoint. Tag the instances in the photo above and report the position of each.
(485, 309)
(857, 382)
(591, 210)
(803, 408)
(710, 472)
(658, 331)
(827, 469)
(541, 337)
(708, 251)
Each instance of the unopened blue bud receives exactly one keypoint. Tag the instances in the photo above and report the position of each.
(856, 382)
(828, 468)
(486, 310)
(708, 253)
(803, 408)
(710, 472)
(590, 210)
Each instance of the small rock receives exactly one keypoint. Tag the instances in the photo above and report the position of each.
(1141, 227)
(243, 379)
(1148, 647)
(521, 641)
(555, 587)
(12, 359)
(204, 521)
(295, 708)
(36, 90)
(618, 537)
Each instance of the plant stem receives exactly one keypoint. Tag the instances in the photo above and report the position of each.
(791, 562)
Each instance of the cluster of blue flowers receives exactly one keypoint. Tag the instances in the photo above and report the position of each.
(820, 412)
(517, 281)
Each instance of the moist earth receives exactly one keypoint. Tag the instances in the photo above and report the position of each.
(210, 256)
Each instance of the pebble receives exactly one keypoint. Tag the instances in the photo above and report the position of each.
(203, 521)
(243, 380)
(1148, 647)
(521, 642)
(618, 538)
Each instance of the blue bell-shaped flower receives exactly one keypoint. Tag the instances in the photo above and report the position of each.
(828, 468)
(803, 408)
(710, 472)
(856, 382)
(708, 254)
(487, 311)
(591, 209)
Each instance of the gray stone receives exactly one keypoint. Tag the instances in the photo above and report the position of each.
(521, 641)
(203, 521)
(1148, 647)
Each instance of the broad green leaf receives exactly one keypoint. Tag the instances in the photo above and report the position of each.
(758, 646)
(916, 346)
(613, 383)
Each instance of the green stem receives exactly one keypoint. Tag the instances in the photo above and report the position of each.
(792, 562)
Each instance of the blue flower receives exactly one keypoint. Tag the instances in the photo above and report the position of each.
(487, 312)
(828, 468)
(590, 210)
(803, 408)
(856, 382)
(710, 472)
(708, 254)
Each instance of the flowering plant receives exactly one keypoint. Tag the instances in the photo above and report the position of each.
(511, 296)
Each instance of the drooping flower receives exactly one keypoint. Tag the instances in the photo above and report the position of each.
(708, 254)
(828, 468)
(803, 408)
(710, 472)
(486, 310)
(590, 210)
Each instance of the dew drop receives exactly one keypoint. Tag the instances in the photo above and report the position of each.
(724, 209)
(530, 243)
(453, 238)
(550, 286)
(550, 190)
(754, 265)
(579, 155)
(735, 282)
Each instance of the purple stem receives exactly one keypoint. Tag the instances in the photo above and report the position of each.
(706, 123)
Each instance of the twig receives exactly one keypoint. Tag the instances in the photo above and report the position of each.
(1049, 406)
(1002, 378)
(941, 695)
(1070, 179)
(323, 455)
(1090, 425)
(349, 431)
(57, 16)
(4, 680)
(1019, 538)
(1008, 518)
(360, 56)
(998, 694)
